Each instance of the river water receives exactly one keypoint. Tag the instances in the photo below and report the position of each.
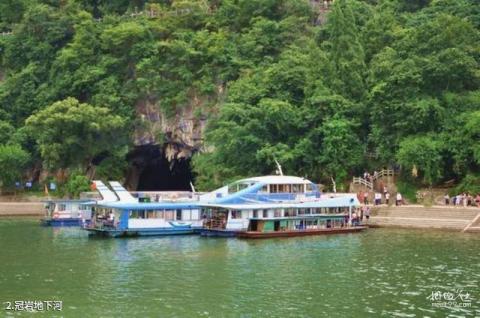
(382, 272)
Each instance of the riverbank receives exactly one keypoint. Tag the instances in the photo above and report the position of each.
(418, 216)
(9, 209)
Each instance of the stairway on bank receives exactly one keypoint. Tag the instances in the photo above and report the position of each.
(385, 177)
(417, 216)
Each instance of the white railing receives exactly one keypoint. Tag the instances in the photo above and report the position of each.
(154, 196)
(363, 182)
(384, 173)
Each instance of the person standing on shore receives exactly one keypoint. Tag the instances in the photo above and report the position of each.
(387, 198)
(367, 213)
(365, 197)
(447, 199)
(399, 199)
(378, 198)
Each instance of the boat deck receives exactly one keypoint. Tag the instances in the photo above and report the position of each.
(259, 235)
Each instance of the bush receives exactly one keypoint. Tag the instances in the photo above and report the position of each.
(76, 184)
(469, 184)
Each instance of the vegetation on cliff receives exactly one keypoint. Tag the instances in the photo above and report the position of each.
(381, 82)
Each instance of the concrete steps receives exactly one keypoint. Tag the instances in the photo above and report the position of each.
(454, 218)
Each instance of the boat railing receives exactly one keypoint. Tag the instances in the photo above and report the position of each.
(214, 224)
(153, 196)
(156, 196)
(279, 197)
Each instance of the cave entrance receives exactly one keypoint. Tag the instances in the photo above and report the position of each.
(155, 173)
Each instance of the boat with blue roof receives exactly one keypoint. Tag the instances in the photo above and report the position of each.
(128, 217)
(256, 207)
(65, 212)
(278, 206)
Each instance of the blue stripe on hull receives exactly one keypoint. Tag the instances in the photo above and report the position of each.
(141, 232)
(62, 222)
(218, 233)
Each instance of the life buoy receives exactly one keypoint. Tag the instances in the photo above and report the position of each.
(56, 215)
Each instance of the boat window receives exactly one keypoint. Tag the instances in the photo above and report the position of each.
(169, 215)
(264, 189)
(195, 214)
(265, 213)
(179, 215)
(62, 207)
(277, 213)
(255, 213)
(236, 214)
(273, 188)
(297, 188)
(235, 187)
(309, 187)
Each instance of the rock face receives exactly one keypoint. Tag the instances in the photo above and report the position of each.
(176, 137)
(180, 136)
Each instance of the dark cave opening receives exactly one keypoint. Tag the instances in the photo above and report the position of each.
(155, 173)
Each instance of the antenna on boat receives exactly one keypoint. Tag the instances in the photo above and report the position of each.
(279, 167)
(193, 188)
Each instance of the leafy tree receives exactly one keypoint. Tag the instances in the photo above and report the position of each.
(6, 132)
(346, 52)
(423, 153)
(69, 133)
(76, 184)
(13, 159)
(341, 150)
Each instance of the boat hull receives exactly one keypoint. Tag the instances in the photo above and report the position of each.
(141, 232)
(62, 222)
(262, 235)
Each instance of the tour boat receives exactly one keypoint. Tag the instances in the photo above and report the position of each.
(64, 212)
(67, 212)
(260, 206)
(129, 217)
(277, 206)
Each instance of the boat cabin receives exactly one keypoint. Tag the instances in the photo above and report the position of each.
(123, 219)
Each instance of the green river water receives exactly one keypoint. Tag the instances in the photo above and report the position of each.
(382, 272)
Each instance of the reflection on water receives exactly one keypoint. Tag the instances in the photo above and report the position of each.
(379, 272)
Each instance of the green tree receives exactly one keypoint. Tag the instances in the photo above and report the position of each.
(341, 149)
(425, 154)
(69, 133)
(346, 52)
(13, 160)
(76, 184)
(6, 132)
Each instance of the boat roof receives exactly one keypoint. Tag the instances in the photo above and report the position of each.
(81, 201)
(275, 180)
(149, 205)
(343, 201)
(105, 192)
(122, 193)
